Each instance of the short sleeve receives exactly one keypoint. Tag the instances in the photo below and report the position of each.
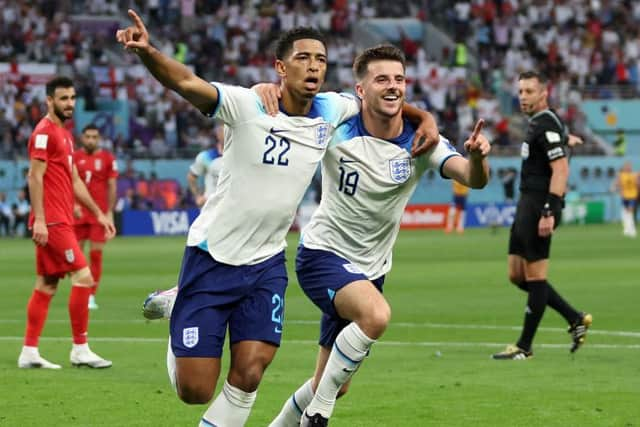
(198, 167)
(551, 134)
(337, 108)
(39, 144)
(437, 156)
(113, 168)
(236, 104)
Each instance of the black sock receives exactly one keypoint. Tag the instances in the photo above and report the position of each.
(560, 305)
(523, 285)
(536, 303)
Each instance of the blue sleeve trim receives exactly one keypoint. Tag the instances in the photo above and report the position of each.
(219, 103)
(441, 168)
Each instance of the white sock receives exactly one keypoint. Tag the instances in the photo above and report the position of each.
(171, 366)
(625, 221)
(81, 347)
(292, 409)
(461, 218)
(349, 350)
(230, 409)
(451, 216)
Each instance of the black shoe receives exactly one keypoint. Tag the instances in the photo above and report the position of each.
(513, 352)
(578, 330)
(316, 420)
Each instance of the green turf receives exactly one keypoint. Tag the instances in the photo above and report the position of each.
(452, 307)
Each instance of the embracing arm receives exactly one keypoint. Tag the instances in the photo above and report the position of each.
(171, 73)
(427, 134)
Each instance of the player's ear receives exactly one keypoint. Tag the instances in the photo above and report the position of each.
(359, 90)
(281, 69)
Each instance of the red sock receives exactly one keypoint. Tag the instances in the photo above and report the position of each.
(79, 313)
(95, 257)
(37, 310)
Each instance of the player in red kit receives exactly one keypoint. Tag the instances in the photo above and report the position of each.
(53, 181)
(98, 170)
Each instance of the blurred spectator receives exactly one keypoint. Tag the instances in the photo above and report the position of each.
(620, 143)
(20, 211)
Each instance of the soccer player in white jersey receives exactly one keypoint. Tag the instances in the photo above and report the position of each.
(207, 165)
(345, 251)
(233, 271)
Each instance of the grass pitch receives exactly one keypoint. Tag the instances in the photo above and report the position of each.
(452, 308)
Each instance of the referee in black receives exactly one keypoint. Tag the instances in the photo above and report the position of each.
(543, 182)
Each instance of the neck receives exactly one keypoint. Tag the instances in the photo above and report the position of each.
(381, 126)
(55, 119)
(295, 105)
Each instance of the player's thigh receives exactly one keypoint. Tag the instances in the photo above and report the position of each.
(82, 232)
(61, 254)
(361, 299)
(516, 269)
(97, 236)
(536, 270)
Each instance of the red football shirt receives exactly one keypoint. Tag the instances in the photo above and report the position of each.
(95, 170)
(54, 145)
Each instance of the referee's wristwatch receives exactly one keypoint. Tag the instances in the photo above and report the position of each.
(547, 211)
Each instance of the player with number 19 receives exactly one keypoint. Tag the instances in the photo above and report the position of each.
(368, 176)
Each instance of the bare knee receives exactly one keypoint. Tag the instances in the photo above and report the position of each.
(248, 377)
(515, 278)
(375, 322)
(194, 393)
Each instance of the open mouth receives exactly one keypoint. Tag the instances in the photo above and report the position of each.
(311, 82)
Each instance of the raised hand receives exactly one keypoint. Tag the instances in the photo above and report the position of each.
(135, 37)
(477, 145)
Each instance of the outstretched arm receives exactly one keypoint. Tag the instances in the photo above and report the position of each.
(474, 171)
(171, 73)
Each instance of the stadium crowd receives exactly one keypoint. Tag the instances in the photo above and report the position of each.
(578, 43)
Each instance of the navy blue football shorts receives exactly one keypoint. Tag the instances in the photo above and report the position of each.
(321, 274)
(212, 296)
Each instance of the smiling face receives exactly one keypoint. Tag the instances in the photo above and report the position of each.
(382, 88)
(532, 94)
(304, 68)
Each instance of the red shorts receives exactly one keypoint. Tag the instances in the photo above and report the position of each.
(91, 232)
(61, 254)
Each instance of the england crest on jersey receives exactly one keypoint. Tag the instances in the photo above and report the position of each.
(322, 134)
(190, 337)
(400, 170)
(69, 255)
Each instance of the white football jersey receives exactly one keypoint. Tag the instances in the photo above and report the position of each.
(366, 184)
(207, 164)
(268, 164)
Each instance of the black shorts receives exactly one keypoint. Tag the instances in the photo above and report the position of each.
(524, 239)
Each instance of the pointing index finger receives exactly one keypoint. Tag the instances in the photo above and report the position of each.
(477, 129)
(136, 19)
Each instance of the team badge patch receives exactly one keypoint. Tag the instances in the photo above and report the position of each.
(41, 141)
(352, 268)
(524, 150)
(98, 164)
(190, 337)
(400, 169)
(322, 133)
(69, 255)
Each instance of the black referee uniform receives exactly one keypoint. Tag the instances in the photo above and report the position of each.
(546, 140)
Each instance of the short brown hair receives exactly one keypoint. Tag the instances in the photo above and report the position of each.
(531, 74)
(376, 53)
(56, 82)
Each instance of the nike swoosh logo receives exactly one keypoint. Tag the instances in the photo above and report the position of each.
(343, 160)
(348, 371)
(277, 131)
